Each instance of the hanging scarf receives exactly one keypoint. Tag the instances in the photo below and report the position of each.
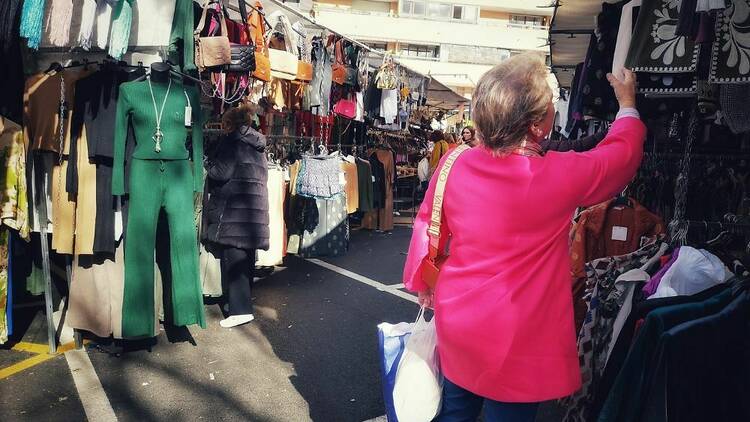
(32, 17)
(88, 16)
(59, 20)
(122, 16)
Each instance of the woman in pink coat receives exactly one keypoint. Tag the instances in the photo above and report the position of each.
(503, 303)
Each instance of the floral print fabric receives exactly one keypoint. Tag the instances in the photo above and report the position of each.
(656, 47)
(730, 62)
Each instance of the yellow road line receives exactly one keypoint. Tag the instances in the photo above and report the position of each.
(31, 348)
(42, 355)
(24, 365)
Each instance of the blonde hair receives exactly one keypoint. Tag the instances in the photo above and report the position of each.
(508, 99)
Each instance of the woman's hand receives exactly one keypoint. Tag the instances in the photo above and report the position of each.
(426, 298)
(624, 88)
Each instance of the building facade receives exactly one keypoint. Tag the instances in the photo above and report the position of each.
(454, 41)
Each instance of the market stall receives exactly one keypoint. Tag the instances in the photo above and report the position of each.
(660, 270)
(113, 116)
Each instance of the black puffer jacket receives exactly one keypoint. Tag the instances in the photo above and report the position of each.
(235, 202)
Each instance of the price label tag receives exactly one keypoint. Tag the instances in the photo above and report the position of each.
(620, 233)
(188, 116)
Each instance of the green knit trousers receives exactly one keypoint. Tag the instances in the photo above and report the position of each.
(157, 184)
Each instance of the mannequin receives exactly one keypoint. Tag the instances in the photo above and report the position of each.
(160, 72)
(162, 176)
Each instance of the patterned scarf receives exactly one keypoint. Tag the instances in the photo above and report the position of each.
(730, 61)
(32, 18)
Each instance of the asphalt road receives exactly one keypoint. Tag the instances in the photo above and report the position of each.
(311, 353)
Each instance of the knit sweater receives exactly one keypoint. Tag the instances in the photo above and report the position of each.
(135, 107)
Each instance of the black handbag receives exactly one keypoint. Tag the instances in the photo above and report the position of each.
(243, 59)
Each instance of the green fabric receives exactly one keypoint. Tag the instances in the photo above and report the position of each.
(157, 184)
(181, 51)
(122, 20)
(135, 107)
(35, 281)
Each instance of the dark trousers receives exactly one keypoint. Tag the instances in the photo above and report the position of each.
(237, 270)
(460, 405)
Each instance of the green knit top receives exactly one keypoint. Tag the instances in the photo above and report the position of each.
(135, 107)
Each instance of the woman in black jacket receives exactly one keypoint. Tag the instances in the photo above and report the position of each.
(235, 212)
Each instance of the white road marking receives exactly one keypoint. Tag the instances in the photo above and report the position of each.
(370, 282)
(378, 419)
(90, 390)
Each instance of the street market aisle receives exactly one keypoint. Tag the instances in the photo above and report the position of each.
(311, 354)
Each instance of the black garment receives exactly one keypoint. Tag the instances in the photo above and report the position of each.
(372, 98)
(599, 99)
(578, 145)
(95, 109)
(11, 68)
(237, 271)
(687, 25)
(625, 339)
(703, 371)
(629, 392)
(378, 172)
(365, 185)
(235, 210)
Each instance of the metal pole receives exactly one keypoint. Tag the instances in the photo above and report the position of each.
(41, 201)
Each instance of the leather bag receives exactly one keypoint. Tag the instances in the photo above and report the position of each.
(339, 72)
(284, 62)
(257, 27)
(243, 50)
(436, 257)
(346, 108)
(386, 77)
(211, 51)
(304, 71)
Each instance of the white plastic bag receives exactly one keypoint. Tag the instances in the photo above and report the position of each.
(419, 387)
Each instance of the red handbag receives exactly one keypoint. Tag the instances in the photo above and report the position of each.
(346, 108)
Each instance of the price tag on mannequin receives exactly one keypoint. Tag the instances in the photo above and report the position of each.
(188, 111)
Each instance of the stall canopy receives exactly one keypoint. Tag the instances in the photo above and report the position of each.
(438, 95)
(570, 32)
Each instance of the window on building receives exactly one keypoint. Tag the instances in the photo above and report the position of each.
(439, 10)
(377, 46)
(412, 8)
(421, 51)
(528, 21)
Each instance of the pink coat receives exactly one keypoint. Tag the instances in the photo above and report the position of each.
(503, 302)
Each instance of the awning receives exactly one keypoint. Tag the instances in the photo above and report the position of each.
(570, 32)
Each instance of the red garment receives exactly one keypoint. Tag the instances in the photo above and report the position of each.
(504, 309)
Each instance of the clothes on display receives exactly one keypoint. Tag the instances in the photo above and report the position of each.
(608, 229)
(660, 336)
(381, 217)
(112, 153)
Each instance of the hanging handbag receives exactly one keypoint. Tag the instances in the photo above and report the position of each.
(257, 27)
(281, 52)
(241, 44)
(386, 77)
(339, 73)
(305, 66)
(211, 51)
(436, 257)
(346, 108)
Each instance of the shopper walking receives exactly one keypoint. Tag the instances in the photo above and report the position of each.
(468, 136)
(503, 303)
(439, 149)
(235, 210)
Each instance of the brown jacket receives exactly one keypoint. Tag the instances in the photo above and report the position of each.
(594, 237)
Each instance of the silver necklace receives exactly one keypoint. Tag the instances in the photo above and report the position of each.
(158, 134)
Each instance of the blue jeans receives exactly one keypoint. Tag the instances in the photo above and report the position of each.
(460, 405)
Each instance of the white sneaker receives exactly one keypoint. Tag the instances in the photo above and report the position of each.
(236, 320)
